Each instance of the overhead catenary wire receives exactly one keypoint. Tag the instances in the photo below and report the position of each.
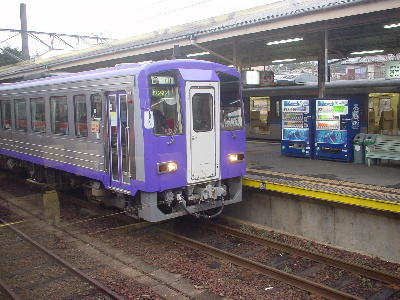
(9, 38)
(151, 17)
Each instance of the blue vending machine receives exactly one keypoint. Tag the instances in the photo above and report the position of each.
(296, 128)
(337, 121)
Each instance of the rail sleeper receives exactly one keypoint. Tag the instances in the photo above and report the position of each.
(386, 147)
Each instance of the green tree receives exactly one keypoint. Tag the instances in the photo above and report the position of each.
(9, 56)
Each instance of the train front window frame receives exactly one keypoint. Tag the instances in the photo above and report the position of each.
(38, 115)
(59, 115)
(21, 121)
(165, 103)
(231, 103)
(6, 114)
(80, 116)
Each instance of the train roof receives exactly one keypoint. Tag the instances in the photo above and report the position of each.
(121, 70)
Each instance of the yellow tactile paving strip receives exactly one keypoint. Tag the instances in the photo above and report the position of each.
(370, 196)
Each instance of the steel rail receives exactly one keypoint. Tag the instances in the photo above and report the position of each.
(90, 219)
(91, 206)
(12, 223)
(335, 262)
(9, 291)
(66, 264)
(140, 225)
(301, 283)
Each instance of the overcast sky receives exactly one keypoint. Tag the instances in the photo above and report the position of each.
(114, 19)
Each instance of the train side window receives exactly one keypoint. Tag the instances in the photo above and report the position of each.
(81, 129)
(95, 106)
(20, 115)
(38, 115)
(59, 115)
(6, 114)
(231, 102)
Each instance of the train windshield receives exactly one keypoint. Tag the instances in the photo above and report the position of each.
(231, 102)
(165, 103)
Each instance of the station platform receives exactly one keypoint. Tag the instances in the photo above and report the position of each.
(375, 187)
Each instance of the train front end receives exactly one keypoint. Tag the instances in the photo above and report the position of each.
(193, 139)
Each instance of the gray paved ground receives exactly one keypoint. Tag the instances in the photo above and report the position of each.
(267, 156)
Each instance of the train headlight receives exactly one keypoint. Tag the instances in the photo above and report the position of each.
(236, 157)
(167, 167)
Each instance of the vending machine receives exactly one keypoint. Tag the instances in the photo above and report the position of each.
(337, 121)
(297, 126)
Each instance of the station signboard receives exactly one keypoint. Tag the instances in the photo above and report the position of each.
(251, 77)
(266, 78)
(392, 70)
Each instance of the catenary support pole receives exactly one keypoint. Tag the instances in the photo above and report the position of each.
(322, 64)
(24, 29)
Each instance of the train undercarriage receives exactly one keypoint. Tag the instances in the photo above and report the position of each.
(203, 200)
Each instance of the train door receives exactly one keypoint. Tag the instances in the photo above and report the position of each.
(202, 115)
(118, 139)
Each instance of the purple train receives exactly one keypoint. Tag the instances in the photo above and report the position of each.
(159, 140)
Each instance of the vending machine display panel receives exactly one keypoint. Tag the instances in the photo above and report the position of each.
(296, 134)
(331, 136)
(296, 128)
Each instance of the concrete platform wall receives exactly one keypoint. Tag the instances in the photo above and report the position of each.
(367, 231)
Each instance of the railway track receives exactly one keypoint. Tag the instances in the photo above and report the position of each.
(71, 226)
(361, 270)
(298, 281)
(86, 231)
(31, 269)
(7, 293)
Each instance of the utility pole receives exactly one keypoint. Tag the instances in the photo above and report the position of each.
(24, 31)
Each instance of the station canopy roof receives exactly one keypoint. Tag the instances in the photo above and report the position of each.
(291, 29)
